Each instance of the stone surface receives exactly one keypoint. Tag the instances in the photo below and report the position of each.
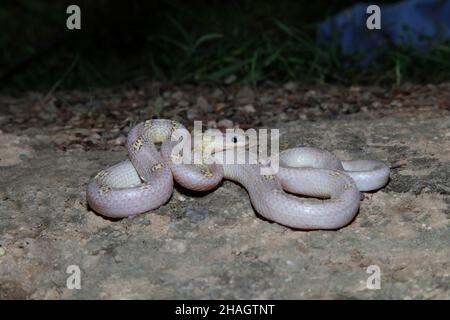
(213, 245)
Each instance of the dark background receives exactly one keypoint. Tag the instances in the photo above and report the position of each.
(189, 41)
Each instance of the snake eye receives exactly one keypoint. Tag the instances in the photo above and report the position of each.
(234, 139)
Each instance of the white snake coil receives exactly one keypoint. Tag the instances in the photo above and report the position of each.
(145, 181)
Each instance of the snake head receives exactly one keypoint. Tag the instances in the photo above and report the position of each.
(216, 141)
(234, 138)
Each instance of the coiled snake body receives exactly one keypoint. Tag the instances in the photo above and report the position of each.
(145, 181)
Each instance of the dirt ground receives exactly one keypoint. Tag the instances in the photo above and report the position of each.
(214, 245)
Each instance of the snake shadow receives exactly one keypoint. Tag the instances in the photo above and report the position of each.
(89, 208)
(182, 190)
(192, 193)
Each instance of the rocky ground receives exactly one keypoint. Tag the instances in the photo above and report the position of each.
(214, 245)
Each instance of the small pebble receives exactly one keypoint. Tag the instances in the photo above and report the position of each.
(120, 140)
(177, 95)
(196, 214)
(183, 103)
(202, 103)
(249, 108)
(225, 123)
(219, 106)
(94, 136)
(230, 79)
(290, 86)
(211, 124)
(217, 93)
(245, 95)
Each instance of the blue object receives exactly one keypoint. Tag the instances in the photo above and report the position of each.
(409, 22)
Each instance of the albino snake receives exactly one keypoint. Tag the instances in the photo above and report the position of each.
(145, 181)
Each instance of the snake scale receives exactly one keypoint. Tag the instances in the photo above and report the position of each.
(146, 180)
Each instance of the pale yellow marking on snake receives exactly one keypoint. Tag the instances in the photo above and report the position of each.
(206, 172)
(148, 124)
(137, 145)
(174, 126)
(102, 174)
(277, 191)
(176, 157)
(104, 189)
(157, 166)
(145, 186)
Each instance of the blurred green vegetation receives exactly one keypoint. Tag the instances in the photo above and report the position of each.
(176, 41)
